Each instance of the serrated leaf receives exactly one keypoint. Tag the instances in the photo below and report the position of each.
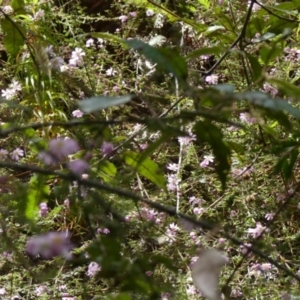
(166, 59)
(210, 133)
(147, 168)
(13, 38)
(101, 102)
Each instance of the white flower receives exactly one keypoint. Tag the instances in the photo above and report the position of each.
(40, 14)
(8, 94)
(258, 230)
(191, 290)
(89, 43)
(93, 269)
(159, 21)
(207, 159)
(76, 58)
(17, 154)
(111, 72)
(64, 68)
(123, 19)
(7, 9)
(173, 167)
(212, 79)
(15, 85)
(149, 13)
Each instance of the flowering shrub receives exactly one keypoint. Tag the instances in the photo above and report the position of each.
(139, 140)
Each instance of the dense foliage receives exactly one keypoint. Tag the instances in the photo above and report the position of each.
(149, 149)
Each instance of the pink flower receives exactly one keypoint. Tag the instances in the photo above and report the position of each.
(3, 154)
(212, 79)
(123, 18)
(78, 166)
(246, 118)
(89, 43)
(133, 14)
(93, 269)
(43, 209)
(257, 231)
(67, 203)
(107, 149)
(77, 57)
(172, 167)
(173, 182)
(207, 160)
(61, 147)
(77, 113)
(16, 154)
(269, 216)
(47, 158)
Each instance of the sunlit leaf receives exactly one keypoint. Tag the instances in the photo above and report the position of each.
(206, 272)
(147, 168)
(101, 102)
(14, 36)
(107, 170)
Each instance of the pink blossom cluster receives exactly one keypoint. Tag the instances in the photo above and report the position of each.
(146, 214)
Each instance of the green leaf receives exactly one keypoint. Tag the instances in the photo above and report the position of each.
(102, 102)
(147, 168)
(17, 5)
(210, 133)
(13, 38)
(255, 66)
(236, 147)
(37, 191)
(266, 101)
(166, 59)
(267, 54)
(107, 171)
(205, 51)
